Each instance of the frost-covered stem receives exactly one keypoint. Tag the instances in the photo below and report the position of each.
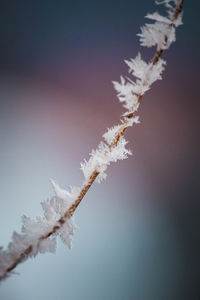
(22, 257)
(103, 156)
(178, 11)
(69, 213)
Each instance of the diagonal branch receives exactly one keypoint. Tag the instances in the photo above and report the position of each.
(127, 121)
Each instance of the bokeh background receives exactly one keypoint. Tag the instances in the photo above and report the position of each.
(138, 236)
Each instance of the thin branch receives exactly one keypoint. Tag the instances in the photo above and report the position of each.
(123, 127)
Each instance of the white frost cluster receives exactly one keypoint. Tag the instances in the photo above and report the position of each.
(162, 32)
(155, 35)
(127, 93)
(146, 74)
(101, 158)
(33, 230)
(171, 7)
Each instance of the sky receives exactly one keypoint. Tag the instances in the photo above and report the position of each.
(138, 234)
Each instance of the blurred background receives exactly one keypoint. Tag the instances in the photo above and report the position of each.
(138, 235)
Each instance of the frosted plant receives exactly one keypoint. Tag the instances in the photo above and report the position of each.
(39, 236)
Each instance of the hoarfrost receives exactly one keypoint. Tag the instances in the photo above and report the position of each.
(101, 158)
(40, 235)
(67, 231)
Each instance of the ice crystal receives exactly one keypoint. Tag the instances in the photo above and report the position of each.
(111, 132)
(162, 32)
(157, 17)
(33, 230)
(67, 231)
(101, 158)
(157, 34)
(126, 94)
(137, 66)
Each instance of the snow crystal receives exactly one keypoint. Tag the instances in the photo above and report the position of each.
(101, 158)
(157, 17)
(126, 93)
(123, 88)
(137, 66)
(154, 72)
(162, 32)
(33, 230)
(171, 5)
(146, 74)
(136, 120)
(119, 152)
(66, 232)
(178, 21)
(47, 245)
(157, 34)
(111, 133)
(60, 193)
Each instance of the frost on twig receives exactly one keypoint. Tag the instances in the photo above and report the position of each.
(162, 32)
(101, 158)
(39, 236)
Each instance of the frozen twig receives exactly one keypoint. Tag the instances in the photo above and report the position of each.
(40, 235)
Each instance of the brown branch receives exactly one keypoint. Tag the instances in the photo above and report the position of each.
(20, 259)
(69, 213)
(178, 10)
